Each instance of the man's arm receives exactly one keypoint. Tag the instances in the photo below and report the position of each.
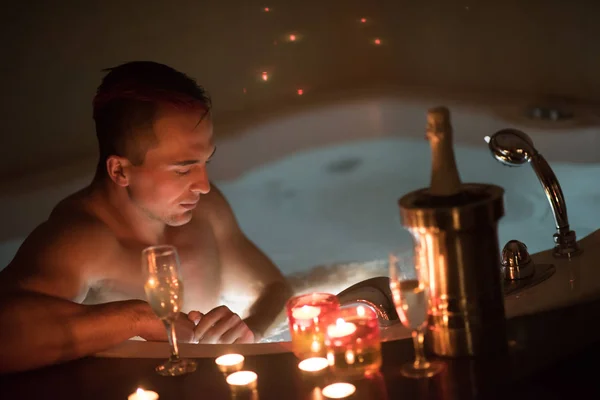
(42, 322)
(39, 330)
(247, 270)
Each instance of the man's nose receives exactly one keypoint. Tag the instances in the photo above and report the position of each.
(201, 183)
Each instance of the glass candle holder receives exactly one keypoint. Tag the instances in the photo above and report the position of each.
(306, 315)
(352, 341)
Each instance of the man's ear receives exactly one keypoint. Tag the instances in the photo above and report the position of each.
(118, 169)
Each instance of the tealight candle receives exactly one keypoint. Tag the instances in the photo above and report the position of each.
(242, 380)
(306, 315)
(338, 390)
(229, 363)
(313, 364)
(141, 394)
(306, 312)
(340, 329)
(352, 341)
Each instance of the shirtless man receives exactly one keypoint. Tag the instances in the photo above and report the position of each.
(75, 286)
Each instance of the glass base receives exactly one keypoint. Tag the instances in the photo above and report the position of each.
(428, 370)
(177, 367)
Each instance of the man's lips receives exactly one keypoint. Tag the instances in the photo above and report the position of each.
(188, 206)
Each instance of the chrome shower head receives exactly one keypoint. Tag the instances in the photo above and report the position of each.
(511, 147)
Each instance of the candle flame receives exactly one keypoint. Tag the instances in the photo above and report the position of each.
(313, 364)
(141, 394)
(339, 390)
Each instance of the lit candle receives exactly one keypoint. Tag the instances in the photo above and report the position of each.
(230, 362)
(338, 390)
(306, 312)
(340, 329)
(141, 394)
(242, 380)
(313, 364)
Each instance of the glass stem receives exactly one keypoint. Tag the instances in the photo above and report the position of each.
(172, 340)
(418, 339)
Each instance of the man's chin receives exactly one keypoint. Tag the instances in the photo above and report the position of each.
(181, 219)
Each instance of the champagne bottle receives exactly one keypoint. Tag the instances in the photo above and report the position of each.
(445, 180)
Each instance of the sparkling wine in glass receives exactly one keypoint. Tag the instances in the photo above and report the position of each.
(164, 292)
(410, 290)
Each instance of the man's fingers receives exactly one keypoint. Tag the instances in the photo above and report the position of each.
(195, 316)
(247, 337)
(237, 334)
(210, 319)
(213, 335)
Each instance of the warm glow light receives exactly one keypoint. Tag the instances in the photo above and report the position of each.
(245, 379)
(338, 390)
(141, 394)
(315, 346)
(349, 355)
(300, 92)
(244, 90)
(266, 9)
(363, 20)
(230, 359)
(306, 312)
(377, 41)
(265, 76)
(292, 38)
(340, 329)
(360, 311)
(313, 364)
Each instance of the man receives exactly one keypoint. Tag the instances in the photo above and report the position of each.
(75, 286)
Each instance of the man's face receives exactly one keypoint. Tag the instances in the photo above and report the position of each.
(171, 179)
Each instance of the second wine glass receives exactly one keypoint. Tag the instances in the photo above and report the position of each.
(164, 292)
(410, 290)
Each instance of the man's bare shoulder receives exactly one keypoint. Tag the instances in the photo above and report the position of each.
(63, 248)
(216, 209)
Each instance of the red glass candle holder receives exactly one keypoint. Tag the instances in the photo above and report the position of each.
(352, 341)
(306, 315)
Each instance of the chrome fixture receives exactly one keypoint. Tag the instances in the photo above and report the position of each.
(514, 148)
(374, 293)
(519, 270)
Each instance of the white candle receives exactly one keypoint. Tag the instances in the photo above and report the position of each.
(338, 390)
(313, 364)
(230, 362)
(306, 312)
(340, 329)
(242, 380)
(141, 394)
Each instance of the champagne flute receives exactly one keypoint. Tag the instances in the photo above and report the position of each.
(410, 290)
(164, 291)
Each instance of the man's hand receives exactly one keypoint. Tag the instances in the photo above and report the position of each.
(184, 329)
(220, 325)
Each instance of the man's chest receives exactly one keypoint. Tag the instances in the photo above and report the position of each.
(199, 268)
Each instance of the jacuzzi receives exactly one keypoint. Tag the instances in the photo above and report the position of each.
(316, 188)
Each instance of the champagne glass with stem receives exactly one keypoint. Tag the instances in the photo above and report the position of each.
(409, 284)
(164, 292)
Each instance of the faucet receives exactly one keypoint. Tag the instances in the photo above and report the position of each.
(376, 294)
(514, 148)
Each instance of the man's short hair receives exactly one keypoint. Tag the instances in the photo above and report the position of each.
(126, 103)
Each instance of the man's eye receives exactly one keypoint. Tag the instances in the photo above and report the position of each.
(183, 172)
